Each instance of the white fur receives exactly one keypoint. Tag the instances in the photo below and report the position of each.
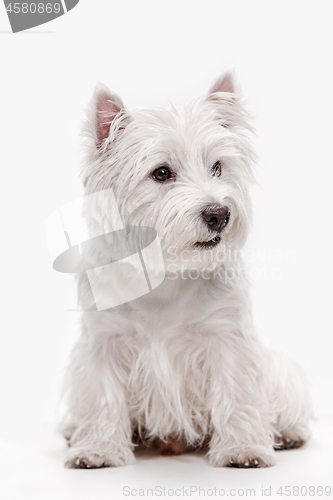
(183, 361)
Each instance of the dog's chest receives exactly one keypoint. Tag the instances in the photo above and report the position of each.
(170, 373)
(169, 384)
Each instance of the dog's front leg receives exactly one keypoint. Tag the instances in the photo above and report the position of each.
(242, 427)
(97, 404)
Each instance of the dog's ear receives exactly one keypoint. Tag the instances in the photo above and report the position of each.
(224, 84)
(225, 97)
(110, 115)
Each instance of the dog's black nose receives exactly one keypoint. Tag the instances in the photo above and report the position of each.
(216, 217)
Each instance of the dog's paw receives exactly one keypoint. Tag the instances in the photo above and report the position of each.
(242, 458)
(88, 461)
(285, 443)
(251, 463)
(293, 438)
(98, 460)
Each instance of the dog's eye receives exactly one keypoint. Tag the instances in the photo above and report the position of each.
(161, 174)
(216, 169)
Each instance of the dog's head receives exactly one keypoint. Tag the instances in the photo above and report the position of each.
(184, 172)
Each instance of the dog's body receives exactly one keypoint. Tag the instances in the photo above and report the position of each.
(182, 364)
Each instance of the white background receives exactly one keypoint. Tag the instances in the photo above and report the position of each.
(152, 53)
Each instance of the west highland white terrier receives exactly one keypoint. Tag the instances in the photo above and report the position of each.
(180, 367)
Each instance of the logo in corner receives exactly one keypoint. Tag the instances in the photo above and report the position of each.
(28, 14)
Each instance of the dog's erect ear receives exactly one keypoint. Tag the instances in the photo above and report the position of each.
(225, 97)
(225, 83)
(109, 110)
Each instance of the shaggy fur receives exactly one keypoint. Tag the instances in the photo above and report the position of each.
(182, 365)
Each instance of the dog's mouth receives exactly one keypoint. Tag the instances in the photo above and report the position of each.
(208, 244)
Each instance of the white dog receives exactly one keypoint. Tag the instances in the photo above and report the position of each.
(181, 366)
